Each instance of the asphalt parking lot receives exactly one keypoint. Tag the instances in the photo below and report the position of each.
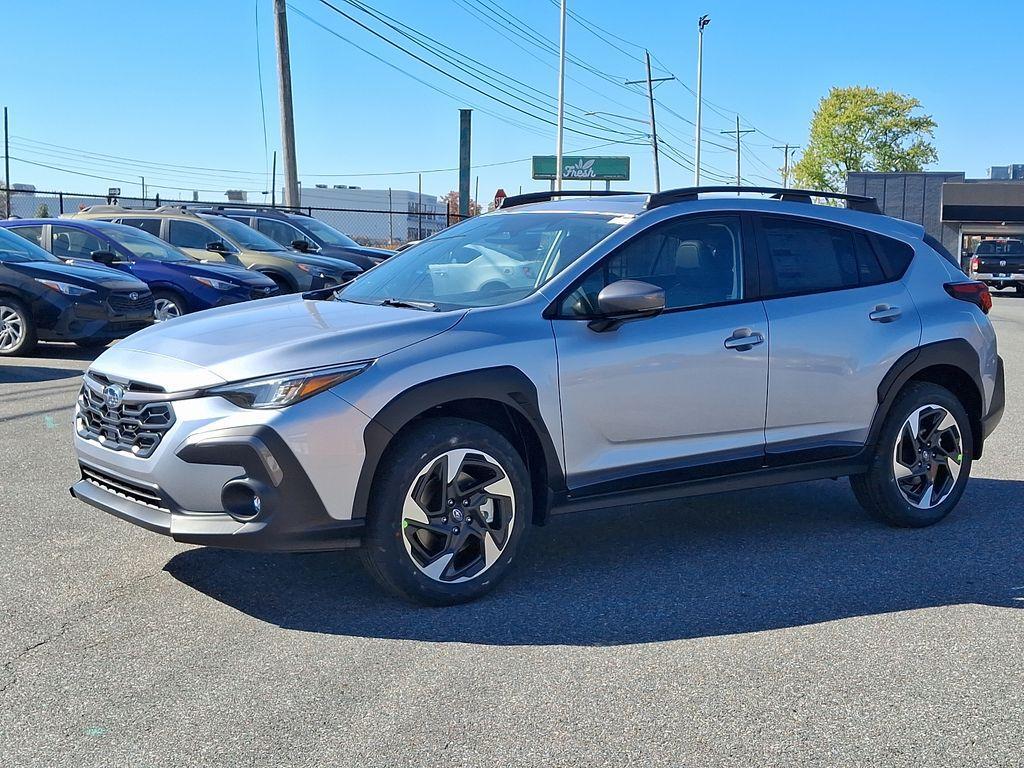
(776, 627)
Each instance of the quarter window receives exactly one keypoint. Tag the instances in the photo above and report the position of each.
(69, 243)
(696, 261)
(188, 234)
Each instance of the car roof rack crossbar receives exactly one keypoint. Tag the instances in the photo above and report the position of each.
(543, 197)
(853, 202)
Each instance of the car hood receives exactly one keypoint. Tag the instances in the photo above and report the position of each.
(274, 335)
(78, 274)
(222, 272)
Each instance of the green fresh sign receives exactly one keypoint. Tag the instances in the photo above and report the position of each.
(582, 168)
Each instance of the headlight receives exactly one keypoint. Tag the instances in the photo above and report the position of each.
(312, 269)
(220, 285)
(287, 388)
(66, 288)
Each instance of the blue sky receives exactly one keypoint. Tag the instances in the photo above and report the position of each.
(122, 89)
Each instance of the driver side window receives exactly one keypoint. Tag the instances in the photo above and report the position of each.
(696, 261)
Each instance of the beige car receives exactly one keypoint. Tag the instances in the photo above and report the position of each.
(217, 239)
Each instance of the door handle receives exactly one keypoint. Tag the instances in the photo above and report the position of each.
(883, 313)
(743, 339)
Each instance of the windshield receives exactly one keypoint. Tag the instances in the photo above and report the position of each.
(485, 261)
(143, 245)
(14, 248)
(242, 235)
(328, 234)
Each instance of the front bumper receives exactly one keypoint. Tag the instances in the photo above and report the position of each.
(199, 484)
(69, 320)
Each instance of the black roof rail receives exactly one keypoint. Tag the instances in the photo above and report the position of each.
(543, 197)
(853, 202)
(255, 207)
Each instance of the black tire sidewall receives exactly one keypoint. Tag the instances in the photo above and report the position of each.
(897, 509)
(383, 545)
(28, 341)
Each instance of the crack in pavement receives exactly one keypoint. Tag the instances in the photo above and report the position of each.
(9, 666)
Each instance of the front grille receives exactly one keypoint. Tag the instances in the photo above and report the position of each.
(262, 293)
(132, 426)
(140, 494)
(122, 303)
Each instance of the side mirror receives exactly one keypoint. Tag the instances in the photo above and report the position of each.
(106, 258)
(217, 247)
(301, 245)
(627, 300)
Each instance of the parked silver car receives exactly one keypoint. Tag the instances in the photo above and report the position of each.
(667, 345)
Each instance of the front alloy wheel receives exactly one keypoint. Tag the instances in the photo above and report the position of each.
(458, 516)
(927, 456)
(448, 509)
(166, 307)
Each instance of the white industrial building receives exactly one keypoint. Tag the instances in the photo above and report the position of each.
(376, 215)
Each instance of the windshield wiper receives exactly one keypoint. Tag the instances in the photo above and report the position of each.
(409, 303)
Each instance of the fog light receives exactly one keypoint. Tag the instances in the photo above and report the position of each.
(242, 499)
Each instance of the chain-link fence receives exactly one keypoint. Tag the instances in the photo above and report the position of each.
(374, 227)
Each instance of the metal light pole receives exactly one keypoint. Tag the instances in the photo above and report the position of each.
(561, 100)
(701, 23)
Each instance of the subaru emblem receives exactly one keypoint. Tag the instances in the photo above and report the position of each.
(134, 296)
(1002, 263)
(113, 395)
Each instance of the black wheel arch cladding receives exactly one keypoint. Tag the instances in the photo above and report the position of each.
(504, 386)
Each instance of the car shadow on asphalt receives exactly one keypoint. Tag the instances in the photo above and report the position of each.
(737, 563)
(35, 374)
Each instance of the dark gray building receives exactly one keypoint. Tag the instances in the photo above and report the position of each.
(954, 209)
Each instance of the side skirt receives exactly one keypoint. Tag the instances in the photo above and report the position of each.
(579, 499)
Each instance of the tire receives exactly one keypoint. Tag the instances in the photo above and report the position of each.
(433, 551)
(932, 481)
(168, 305)
(283, 286)
(17, 329)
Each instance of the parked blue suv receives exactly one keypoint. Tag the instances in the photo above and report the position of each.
(180, 284)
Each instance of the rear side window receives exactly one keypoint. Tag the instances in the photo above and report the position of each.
(146, 225)
(32, 234)
(805, 257)
(188, 234)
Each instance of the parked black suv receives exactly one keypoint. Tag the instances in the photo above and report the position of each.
(305, 233)
(42, 298)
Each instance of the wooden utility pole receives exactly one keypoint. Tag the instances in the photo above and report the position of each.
(284, 79)
(739, 133)
(650, 81)
(786, 148)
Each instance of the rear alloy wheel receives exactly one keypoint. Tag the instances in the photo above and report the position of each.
(447, 512)
(922, 460)
(17, 332)
(167, 306)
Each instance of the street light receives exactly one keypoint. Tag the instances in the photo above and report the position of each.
(702, 22)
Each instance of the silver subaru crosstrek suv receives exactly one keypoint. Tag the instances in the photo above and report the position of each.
(606, 350)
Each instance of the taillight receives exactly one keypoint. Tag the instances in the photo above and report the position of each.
(974, 263)
(974, 292)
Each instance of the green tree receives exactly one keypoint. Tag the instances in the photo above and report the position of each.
(42, 212)
(864, 129)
